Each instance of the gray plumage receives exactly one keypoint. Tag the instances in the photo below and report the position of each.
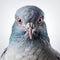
(29, 38)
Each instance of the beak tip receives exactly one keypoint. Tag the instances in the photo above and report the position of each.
(30, 34)
(30, 37)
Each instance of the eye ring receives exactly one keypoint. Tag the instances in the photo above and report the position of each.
(19, 20)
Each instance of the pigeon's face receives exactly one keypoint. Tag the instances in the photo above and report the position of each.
(29, 22)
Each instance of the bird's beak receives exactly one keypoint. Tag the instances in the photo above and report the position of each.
(30, 33)
(30, 30)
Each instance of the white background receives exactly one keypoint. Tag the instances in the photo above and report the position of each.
(51, 9)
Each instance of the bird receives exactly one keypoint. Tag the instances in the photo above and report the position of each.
(29, 38)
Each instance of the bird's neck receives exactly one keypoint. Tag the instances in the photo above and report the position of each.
(24, 41)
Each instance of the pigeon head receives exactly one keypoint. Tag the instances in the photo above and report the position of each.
(29, 23)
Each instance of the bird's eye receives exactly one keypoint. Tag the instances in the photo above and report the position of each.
(40, 20)
(19, 20)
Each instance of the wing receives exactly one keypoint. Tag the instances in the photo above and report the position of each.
(49, 54)
(58, 56)
(3, 53)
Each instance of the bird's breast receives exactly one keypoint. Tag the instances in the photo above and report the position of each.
(20, 54)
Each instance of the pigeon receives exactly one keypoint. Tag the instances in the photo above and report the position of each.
(29, 39)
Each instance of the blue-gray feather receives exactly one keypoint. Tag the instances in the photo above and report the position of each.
(21, 47)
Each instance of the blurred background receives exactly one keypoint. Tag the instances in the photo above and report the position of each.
(51, 9)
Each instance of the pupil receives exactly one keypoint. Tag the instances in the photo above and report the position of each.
(20, 20)
(39, 20)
